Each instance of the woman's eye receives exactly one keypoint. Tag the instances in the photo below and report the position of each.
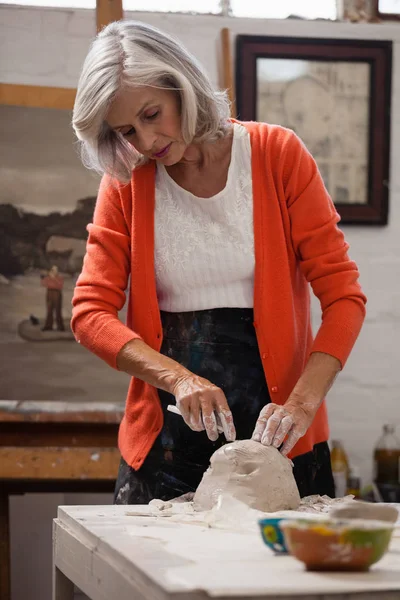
(152, 115)
(130, 131)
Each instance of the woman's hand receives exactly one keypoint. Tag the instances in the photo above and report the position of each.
(202, 404)
(290, 421)
(296, 415)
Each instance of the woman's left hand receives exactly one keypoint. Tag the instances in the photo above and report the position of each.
(289, 421)
(296, 415)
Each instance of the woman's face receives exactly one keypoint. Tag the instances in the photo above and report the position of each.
(149, 119)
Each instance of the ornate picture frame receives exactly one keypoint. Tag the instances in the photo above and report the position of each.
(335, 94)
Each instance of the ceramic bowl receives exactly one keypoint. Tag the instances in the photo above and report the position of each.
(272, 534)
(337, 544)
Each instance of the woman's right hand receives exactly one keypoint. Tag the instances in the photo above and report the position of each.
(201, 403)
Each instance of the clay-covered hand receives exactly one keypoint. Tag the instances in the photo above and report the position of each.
(202, 404)
(284, 424)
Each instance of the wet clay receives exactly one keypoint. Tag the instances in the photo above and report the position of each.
(257, 475)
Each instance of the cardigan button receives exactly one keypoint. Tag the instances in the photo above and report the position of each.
(274, 389)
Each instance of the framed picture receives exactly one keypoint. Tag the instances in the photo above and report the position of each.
(46, 201)
(335, 94)
(387, 9)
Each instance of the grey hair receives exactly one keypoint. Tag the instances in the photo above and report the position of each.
(130, 53)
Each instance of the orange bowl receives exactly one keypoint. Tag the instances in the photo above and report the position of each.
(337, 544)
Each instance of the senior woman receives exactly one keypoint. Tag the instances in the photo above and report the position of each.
(220, 226)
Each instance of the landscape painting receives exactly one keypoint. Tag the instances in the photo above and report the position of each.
(47, 199)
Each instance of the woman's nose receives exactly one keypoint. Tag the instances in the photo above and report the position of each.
(146, 141)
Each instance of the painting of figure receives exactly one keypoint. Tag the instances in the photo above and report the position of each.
(47, 198)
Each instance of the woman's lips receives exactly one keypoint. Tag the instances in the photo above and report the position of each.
(162, 152)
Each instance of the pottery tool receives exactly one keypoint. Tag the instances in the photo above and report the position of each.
(174, 409)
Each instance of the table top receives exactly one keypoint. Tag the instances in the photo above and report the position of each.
(14, 411)
(188, 559)
(54, 441)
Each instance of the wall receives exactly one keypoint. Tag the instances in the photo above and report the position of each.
(47, 47)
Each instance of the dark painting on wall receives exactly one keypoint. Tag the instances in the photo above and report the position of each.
(335, 94)
(46, 201)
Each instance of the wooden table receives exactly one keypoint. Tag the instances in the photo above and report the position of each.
(53, 447)
(108, 553)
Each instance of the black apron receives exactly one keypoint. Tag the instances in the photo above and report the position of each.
(220, 345)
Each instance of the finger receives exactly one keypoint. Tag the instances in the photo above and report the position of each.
(283, 429)
(271, 427)
(225, 417)
(265, 414)
(210, 424)
(196, 422)
(228, 426)
(184, 410)
(209, 419)
(291, 441)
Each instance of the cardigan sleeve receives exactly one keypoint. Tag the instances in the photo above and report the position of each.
(322, 251)
(100, 289)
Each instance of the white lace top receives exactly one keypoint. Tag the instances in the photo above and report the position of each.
(204, 247)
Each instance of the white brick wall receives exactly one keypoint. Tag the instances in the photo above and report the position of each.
(48, 46)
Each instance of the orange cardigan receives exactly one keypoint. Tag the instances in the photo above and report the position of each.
(296, 241)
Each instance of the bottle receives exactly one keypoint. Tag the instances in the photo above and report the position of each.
(354, 482)
(387, 457)
(340, 468)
